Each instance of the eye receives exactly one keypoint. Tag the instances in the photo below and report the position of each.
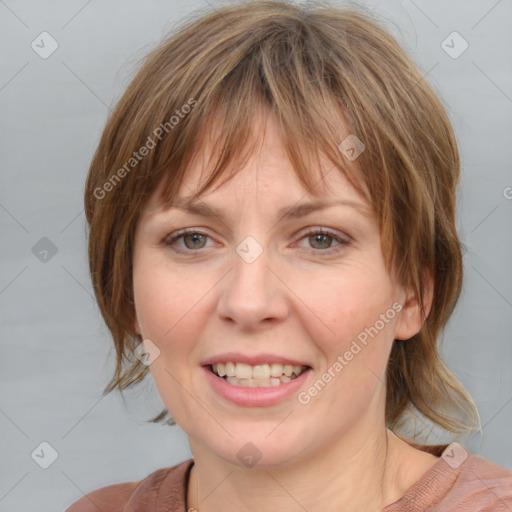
(322, 239)
(319, 239)
(193, 240)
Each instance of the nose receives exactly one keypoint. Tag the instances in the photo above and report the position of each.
(252, 294)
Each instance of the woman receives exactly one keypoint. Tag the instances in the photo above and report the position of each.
(272, 238)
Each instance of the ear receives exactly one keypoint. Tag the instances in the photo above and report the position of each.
(411, 318)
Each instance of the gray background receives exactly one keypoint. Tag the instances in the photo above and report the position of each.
(55, 351)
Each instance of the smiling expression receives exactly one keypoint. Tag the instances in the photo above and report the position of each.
(262, 283)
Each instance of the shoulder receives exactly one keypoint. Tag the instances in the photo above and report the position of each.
(483, 484)
(459, 482)
(117, 497)
(112, 498)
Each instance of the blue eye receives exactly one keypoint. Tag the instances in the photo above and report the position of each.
(195, 240)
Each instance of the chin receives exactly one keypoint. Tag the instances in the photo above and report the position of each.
(255, 448)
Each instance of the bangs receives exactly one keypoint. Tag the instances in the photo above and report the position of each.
(328, 90)
(264, 82)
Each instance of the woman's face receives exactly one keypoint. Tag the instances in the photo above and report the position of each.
(259, 291)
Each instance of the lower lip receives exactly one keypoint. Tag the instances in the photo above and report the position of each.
(255, 397)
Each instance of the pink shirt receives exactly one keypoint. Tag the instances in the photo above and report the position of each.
(457, 482)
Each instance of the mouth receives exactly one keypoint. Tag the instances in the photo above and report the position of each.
(256, 376)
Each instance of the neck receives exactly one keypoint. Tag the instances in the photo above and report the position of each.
(357, 473)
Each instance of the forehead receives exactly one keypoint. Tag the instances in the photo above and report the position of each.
(263, 167)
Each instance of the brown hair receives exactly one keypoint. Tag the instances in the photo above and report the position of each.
(315, 67)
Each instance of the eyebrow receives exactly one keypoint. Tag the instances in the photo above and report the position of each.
(294, 211)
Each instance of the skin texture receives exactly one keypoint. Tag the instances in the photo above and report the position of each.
(304, 297)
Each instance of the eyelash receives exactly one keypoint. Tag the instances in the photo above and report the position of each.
(170, 242)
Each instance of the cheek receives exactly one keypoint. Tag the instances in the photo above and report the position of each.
(357, 350)
(170, 313)
(353, 338)
(163, 300)
(347, 303)
(171, 305)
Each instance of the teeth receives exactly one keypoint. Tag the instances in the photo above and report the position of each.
(276, 370)
(243, 371)
(221, 369)
(261, 371)
(258, 383)
(273, 373)
(230, 369)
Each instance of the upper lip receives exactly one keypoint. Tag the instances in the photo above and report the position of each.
(253, 360)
